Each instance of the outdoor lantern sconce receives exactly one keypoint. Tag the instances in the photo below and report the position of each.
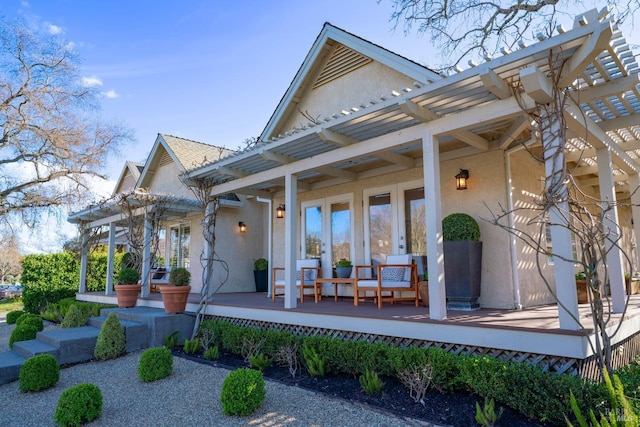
(280, 212)
(242, 226)
(461, 179)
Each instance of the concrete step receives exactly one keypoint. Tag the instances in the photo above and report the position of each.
(73, 344)
(136, 333)
(10, 364)
(32, 348)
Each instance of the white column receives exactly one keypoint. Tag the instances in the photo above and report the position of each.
(146, 256)
(209, 232)
(84, 242)
(435, 252)
(110, 254)
(634, 184)
(563, 270)
(611, 229)
(290, 238)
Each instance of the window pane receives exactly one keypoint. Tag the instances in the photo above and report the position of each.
(340, 232)
(313, 232)
(380, 217)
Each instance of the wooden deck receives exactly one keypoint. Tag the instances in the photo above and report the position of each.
(520, 333)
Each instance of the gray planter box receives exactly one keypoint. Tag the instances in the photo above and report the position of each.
(462, 273)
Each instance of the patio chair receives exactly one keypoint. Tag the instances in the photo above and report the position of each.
(307, 271)
(398, 274)
(157, 277)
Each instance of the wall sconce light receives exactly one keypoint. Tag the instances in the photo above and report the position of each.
(242, 226)
(280, 212)
(461, 179)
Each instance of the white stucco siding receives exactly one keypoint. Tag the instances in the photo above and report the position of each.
(528, 181)
(368, 82)
(166, 181)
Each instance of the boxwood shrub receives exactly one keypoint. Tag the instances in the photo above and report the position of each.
(243, 392)
(22, 333)
(111, 342)
(78, 405)
(31, 319)
(13, 316)
(39, 373)
(155, 363)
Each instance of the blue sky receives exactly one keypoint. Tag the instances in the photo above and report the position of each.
(211, 71)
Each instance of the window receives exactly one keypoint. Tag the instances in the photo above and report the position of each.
(180, 237)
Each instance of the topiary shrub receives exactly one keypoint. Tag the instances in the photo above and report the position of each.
(155, 363)
(460, 226)
(22, 333)
(78, 405)
(32, 320)
(179, 276)
(74, 318)
(13, 316)
(39, 373)
(242, 392)
(128, 276)
(111, 339)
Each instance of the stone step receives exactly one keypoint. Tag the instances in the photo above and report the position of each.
(136, 333)
(32, 348)
(10, 364)
(73, 344)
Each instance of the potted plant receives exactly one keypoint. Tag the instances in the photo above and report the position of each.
(632, 284)
(423, 290)
(581, 287)
(462, 261)
(127, 289)
(174, 295)
(344, 268)
(260, 274)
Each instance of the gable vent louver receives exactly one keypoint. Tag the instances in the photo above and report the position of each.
(342, 61)
(165, 159)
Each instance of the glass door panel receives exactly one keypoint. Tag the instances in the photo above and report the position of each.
(340, 232)
(380, 227)
(313, 232)
(415, 221)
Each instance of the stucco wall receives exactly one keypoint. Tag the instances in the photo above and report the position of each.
(367, 82)
(167, 181)
(486, 186)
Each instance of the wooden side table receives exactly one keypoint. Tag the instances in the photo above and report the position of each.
(317, 285)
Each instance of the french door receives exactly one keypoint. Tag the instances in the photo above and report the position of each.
(395, 222)
(327, 230)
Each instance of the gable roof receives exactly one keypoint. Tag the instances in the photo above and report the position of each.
(130, 169)
(185, 153)
(334, 53)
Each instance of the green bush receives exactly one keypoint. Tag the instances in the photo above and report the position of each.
(211, 353)
(74, 318)
(22, 333)
(243, 392)
(192, 346)
(260, 361)
(460, 226)
(12, 316)
(179, 276)
(316, 365)
(78, 405)
(371, 382)
(155, 363)
(32, 320)
(111, 339)
(39, 373)
(128, 276)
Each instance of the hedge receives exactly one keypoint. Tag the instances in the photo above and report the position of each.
(52, 277)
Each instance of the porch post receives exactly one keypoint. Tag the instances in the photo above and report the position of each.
(84, 242)
(634, 184)
(146, 256)
(111, 250)
(433, 211)
(290, 237)
(614, 257)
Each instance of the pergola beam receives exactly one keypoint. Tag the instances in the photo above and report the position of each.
(598, 41)
(604, 90)
(398, 159)
(327, 135)
(495, 84)
(338, 173)
(276, 157)
(514, 130)
(233, 172)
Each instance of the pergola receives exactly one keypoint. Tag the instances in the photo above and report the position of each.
(115, 214)
(485, 107)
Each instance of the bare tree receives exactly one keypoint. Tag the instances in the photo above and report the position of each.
(51, 137)
(10, 257)
(466, 29)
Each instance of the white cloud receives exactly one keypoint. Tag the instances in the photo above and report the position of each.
(92, 81)
(54, 29)
(111, 94)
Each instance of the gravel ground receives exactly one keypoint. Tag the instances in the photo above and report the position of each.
(188, 397)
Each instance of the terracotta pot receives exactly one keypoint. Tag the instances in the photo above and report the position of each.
(423, 290)
(581, 287)
(127, 295)
(174, 298)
